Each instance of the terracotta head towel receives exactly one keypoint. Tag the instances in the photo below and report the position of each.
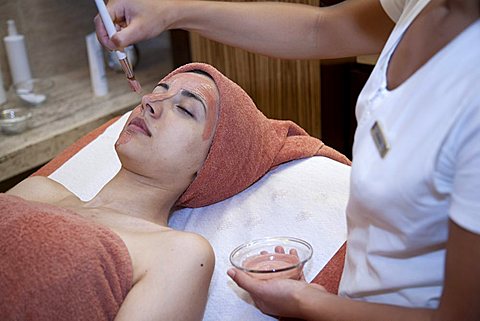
(246, 145)
(56, 265)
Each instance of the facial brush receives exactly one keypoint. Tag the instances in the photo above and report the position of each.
(122, 57)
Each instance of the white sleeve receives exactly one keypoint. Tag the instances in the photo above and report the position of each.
(465, 205)
(393, 8)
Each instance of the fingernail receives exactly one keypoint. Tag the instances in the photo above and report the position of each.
(231, 273)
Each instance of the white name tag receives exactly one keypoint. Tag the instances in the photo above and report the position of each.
(379, 139)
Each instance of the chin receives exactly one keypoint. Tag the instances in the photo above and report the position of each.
(125, 155)
(119, 149)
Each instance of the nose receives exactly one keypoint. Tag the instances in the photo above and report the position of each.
(151, 106)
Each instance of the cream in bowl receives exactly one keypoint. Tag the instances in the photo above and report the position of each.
(272, 257)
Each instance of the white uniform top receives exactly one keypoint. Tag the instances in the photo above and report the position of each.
(400, 205)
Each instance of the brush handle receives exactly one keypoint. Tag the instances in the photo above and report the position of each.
(108, 23)
(107, 20)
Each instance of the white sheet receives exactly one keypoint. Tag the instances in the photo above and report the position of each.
(303, 198)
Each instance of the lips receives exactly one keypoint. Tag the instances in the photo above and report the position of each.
(139, 125)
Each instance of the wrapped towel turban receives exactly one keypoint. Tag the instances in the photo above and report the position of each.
(245, 146)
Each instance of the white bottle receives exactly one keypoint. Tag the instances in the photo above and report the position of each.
(17, 54)
(3, 96)
(96, 63)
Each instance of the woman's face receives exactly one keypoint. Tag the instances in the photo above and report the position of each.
(168, 136)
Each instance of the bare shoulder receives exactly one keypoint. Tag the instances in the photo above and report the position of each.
(40, 189)
(190, 245)
(182, 252)
(191, 240)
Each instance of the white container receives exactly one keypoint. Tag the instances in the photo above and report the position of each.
(96, 63)
(17, 54)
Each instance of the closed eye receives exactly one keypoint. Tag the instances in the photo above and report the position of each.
(185, 111)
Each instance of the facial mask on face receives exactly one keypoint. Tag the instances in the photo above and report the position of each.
(199, 85)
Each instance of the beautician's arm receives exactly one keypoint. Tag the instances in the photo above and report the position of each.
(281, 30)
(175, 284)
(459, 300)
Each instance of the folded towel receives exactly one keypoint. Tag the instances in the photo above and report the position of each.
(246, 145)
(56, 265)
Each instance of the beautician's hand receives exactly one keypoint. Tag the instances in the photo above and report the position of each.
(279, 297)
(138, 20)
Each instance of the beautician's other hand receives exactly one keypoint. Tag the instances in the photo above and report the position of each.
(138, 20)
(278, 297)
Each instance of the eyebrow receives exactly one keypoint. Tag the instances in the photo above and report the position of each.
(189, 94)
(163, 85)
(185, 93)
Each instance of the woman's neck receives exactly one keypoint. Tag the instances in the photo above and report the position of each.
(468, 7)
(136, 196)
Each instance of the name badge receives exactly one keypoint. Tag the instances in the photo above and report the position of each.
(379, 139)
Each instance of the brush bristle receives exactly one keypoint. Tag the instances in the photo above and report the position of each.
(135, 85)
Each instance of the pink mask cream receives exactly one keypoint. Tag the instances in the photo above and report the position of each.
(188, 84)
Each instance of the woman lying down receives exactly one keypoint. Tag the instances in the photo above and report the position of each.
(195, 140)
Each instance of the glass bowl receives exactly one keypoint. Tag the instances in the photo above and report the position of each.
(14, 120)
(33, 92)
(272, 257)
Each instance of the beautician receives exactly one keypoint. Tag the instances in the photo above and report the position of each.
(414, 208)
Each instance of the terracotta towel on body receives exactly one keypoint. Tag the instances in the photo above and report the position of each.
(56, 265)
(246, 145)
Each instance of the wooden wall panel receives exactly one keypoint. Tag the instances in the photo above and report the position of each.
(282, 89)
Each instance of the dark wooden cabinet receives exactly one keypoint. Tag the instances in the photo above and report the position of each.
(341, 83)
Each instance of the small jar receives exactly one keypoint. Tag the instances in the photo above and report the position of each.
(33, 92)
(14, 120)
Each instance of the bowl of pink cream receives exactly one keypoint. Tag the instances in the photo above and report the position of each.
(272, 257)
